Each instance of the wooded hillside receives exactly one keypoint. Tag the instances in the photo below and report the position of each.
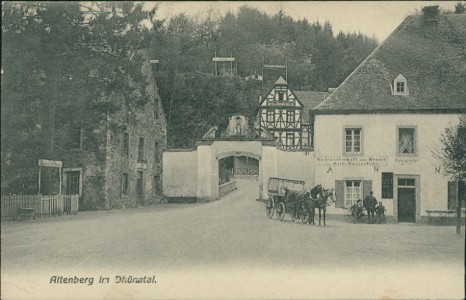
(316, 57)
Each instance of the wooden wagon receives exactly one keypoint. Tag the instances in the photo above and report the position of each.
(286, 196)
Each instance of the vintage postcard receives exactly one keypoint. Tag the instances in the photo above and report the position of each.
(233, 150)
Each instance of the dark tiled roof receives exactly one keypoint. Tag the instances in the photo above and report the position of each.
(309, 99)
(431, 56)
(458, 22)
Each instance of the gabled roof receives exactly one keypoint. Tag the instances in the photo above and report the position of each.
(280, 81)
(431, 55)
(309, 99)
(283, 82)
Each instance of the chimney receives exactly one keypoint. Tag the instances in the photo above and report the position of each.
(430, 14)
(260, 98)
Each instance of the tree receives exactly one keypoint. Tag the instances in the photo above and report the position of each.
(460, 8)
(453, 151)
(64, 59)
(453, 158)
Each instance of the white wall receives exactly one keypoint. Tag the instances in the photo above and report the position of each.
(380, 142)
(296, 165)
(195, 173)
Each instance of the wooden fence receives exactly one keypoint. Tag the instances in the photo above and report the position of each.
(42, 206)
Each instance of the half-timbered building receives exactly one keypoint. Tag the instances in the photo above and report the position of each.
(280, 114)
(286, 117)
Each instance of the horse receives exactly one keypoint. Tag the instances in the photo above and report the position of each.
(296, 198)
(319, 198)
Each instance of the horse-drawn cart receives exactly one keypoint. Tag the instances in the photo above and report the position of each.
(286, 196)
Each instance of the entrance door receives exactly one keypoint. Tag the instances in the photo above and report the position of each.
(140, 187)
(406, 200)
(73, 184)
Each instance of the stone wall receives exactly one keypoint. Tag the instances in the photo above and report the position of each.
(180, 173)
(102, 161)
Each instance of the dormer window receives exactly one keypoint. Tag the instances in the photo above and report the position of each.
(400, 86)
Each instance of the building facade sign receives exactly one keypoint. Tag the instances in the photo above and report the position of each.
(352, 161)
(406, 161)
(50, 163)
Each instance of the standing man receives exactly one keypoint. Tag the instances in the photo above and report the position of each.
(369, 203)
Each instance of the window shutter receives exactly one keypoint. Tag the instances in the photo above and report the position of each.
(367, 186)
(340, 193)
(462, 193)
(451, 194)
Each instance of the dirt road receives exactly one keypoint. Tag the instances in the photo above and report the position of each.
(204, 250)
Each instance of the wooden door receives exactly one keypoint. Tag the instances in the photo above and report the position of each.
(406, 205)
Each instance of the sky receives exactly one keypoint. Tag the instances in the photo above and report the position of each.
(372, 18)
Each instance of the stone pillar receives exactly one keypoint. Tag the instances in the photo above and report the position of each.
(268, 165)
(206, 173)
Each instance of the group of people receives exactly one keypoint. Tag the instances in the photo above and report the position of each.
(373, 210)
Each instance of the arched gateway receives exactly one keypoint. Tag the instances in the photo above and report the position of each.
(208, 171)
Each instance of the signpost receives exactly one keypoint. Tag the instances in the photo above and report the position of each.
(217, 60)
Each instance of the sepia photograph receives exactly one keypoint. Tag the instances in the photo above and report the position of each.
(233, 150)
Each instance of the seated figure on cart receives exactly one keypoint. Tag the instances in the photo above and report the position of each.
(357, 212)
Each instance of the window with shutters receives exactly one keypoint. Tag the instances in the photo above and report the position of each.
(353, 140)
(456, 189)
(406, 142)
(352, 192)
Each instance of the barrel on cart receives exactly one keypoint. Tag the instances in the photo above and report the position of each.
(286, 196)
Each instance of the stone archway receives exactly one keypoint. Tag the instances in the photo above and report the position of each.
(233, 165)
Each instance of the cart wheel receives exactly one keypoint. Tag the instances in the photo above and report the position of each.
(280, 211)
(270, 208)
(304, 215)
